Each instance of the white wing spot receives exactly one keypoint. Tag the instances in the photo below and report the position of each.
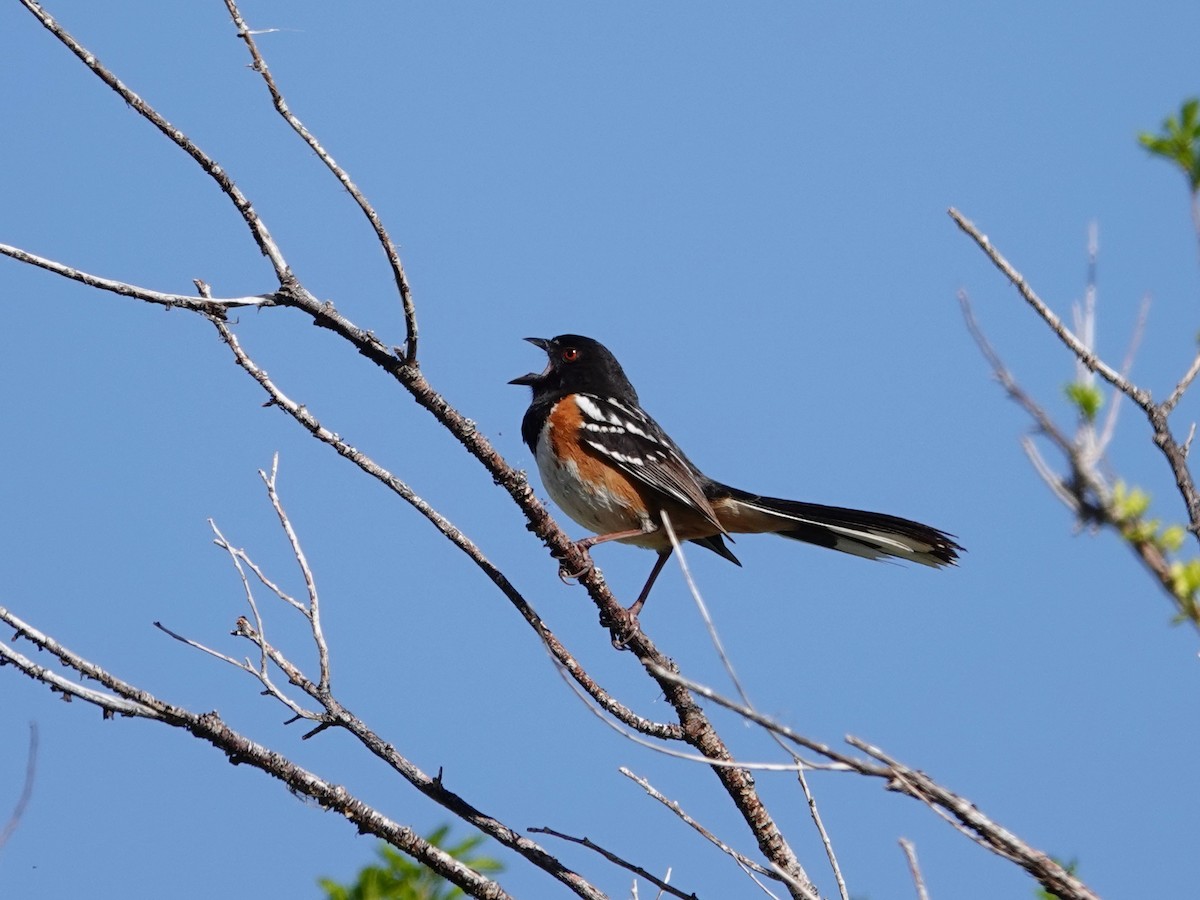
(616, 455)
(588, 407)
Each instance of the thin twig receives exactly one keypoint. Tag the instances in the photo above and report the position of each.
(1184, 383)
(914, 868)
(26, 794)
(1082, 352)
(313, 612)
(1045, 424)
(210, 728)
(1135, 341)
(304, 416)
(389, 248)
(1054, 877)
(258, 228)
(715, 637)
(208, 305)
(617, 860)
(749, 866)
(634, 737)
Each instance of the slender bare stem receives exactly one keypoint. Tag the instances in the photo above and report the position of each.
(313, 610)
(389, 248)
(617, 860)
(914, 868)
(208, 305)
(1081, 350)
(31, 756)
(727, 663)
(749, 866)
(258, 228)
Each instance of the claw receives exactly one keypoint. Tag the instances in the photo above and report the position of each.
(628, 625)
(565, 576)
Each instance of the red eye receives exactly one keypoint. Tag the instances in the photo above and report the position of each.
(570, 354)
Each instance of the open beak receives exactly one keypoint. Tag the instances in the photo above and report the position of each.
(532, 378)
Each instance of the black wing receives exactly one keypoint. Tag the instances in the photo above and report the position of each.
(633, 442)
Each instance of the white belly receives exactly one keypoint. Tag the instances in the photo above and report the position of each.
(599, 511)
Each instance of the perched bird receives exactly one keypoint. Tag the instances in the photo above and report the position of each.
(613, 469)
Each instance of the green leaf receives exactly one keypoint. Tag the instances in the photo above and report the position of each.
(1185, 579)
(1172, 538)
(402, 878)
(1179, 141)
(1129, 504)
(1087, 399)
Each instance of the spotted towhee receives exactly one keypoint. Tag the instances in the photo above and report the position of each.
(613, 470)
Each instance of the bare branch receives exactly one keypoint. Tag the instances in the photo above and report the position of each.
(1054, 877)
(107, 702)
(241, 750)
(749, 866)
(617, 860)
(916, 784)
(1045, 424)
(389, 248)
(258, 228)
(719, 646)
(1086, 491)
(557, 650)
(313, 611)
(1184, 383)
(695, 727)
(1082, 352)
(910, 853)
(208, 305)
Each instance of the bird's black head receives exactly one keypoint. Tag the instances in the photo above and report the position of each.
(578, 364)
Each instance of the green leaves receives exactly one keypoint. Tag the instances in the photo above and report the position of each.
(1129, 503)
(1179, 142)
(1086, 398)
(401, 878)
(1129, 506)
(1185, 581)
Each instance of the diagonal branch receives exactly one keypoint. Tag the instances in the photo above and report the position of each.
(988, 833)
(1081, 350)
(1156, 413)
(696, 728)
(206, 305)
(389, 248)
(209, 727)
(920, 786)
(258, 228)
(749, 866)
(564, 658)
(663, 886)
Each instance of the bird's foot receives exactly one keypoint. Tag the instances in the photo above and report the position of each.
(567, 576)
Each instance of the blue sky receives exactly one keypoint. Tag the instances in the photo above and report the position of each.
(747, 204)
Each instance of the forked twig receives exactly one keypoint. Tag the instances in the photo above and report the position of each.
(385, 241)
(749, 866)
(715, 637)
(1156, 413)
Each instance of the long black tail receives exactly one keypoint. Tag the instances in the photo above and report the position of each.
(861, 533)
